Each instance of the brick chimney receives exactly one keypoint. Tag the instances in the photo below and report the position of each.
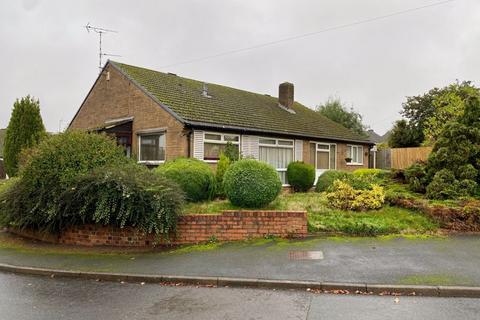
(285, 94)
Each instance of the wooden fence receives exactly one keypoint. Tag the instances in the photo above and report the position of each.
(404, 157)
(398, 158)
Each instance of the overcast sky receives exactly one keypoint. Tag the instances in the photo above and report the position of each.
(46, 52)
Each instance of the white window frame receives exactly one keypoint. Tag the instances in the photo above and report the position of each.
(276, 145)
(221, 141)
(329, 145)
(146, 134)
(359, 153)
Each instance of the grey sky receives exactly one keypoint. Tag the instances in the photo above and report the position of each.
(47, 53)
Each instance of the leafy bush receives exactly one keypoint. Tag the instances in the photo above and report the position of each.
(222, 166)
(301, 176)
(343, 196)
(377, 174)
(128, 195)
(232, 152)
(416, 177)
(51, 169)
(251, 184)
(325, 181)
(445, 186)
(195, 177)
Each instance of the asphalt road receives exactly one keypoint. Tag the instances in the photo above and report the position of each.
(28, 297)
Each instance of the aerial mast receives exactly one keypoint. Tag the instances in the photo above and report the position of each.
(100, 32)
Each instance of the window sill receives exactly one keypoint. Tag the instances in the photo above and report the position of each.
(211, 161)
(354, 164)
(152, 163)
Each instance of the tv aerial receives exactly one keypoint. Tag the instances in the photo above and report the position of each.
(100, 32)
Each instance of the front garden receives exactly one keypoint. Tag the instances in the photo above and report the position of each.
(78, 178)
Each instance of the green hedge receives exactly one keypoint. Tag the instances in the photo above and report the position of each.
(195, 177)
(301, 176)
(51, 169)
(250, 183)
(325, 181)
(127, 195)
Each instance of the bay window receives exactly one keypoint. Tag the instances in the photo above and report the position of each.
(215, 143)
(278, 153)
(355, 153)
(151, 148)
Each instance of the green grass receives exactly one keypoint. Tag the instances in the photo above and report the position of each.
(388, 220)
(434, 279)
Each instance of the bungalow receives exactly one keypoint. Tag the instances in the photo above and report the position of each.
(161, 116)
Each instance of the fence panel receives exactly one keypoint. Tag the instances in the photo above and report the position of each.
(404, 157)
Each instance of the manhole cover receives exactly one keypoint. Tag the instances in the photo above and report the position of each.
(305, 255)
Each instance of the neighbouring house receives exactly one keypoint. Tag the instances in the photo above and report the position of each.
(379, 154)
(3, 174)
(161, 116)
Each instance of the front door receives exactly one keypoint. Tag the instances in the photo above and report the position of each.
(323, 156)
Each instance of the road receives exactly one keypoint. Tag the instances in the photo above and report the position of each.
(28, 297)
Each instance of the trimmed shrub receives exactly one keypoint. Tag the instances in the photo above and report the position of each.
(445, 186)
(250, 183)
(127, 195)
(301, 176)
(325, 181)
(222, 166)
(195, 177)
(377, 174)
(53, 166)
(24, 130)
(345, 197)
(416, 177)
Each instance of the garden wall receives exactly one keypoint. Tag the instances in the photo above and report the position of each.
(228, 226)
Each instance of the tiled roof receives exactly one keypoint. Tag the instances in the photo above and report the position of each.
(229, 107)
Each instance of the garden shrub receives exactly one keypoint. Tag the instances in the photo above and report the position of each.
(195, 177)
(377, 174)
(445, 186)
(127, 195)
(222, 166)
(343, 196)
(232, 152)
(416, 177)
(50, 170)
(325, 181)
(250, 183)
(300, 176)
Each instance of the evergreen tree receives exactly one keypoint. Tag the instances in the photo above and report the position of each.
(24, 130)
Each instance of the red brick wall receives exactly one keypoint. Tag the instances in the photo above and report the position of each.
(228, 226)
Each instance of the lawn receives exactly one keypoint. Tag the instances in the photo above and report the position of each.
(388, 220)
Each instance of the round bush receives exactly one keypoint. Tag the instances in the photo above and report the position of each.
(325, 181)
(127, 195)
(50, 170)
(195, 177)
(301, 176)
(250, 183)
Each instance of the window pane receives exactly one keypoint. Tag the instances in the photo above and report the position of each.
(267, 141)
(283, 176)
(231, 138)
(212, 151)
(349, 151)
(277, 157)
(285, 143)
(355, 154)
(209, 136)
(333, 156)
(323, 159)
(360, 155)
(322, 147)
(152, 147)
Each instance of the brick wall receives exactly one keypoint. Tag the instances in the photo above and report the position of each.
(228, 226)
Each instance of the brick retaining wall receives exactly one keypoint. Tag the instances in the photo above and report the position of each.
(228, 226)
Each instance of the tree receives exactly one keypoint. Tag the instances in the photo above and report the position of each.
(405, 135)
(24, 130)
(431, 111)
(336, 111)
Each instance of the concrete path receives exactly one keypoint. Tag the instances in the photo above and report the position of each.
(27, 297)
(432, 261)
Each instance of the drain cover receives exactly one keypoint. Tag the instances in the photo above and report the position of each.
(305, 255)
